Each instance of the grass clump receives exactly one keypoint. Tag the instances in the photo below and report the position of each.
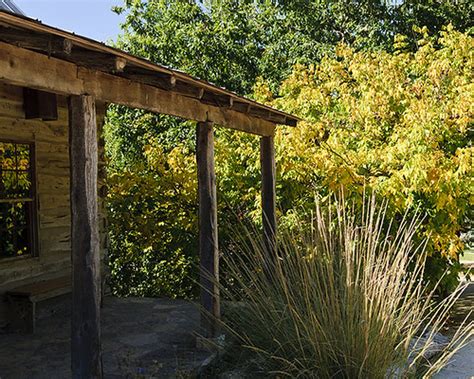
(345, 299)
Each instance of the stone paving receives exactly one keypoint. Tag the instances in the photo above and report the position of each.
(145, 338)
(141, 337)
(461, 365)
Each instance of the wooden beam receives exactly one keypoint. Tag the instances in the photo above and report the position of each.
(86, 361)
(241, 106)
(164, 81)
(42, 42)
(208, 240)
(29, 69)
(224, 101)
(120, 64)
(267, 163)
(279, 119)
(259, 112)
(33, 28)
(185, 89)
(95, 60)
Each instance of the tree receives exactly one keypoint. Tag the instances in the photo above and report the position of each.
(399, 124)
(236, 44)
(233, 42)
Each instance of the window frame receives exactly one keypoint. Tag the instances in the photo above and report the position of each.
(31, 202)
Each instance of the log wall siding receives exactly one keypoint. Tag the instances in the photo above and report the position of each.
(52, 185)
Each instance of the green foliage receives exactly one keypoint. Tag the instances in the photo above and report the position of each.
(358, 131)
(153, 213)
(433, 14)
(345, 300)
(232, 42)
(400, 124)
(183, 35)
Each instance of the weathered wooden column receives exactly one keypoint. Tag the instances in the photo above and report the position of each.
(208, 241)
(267, 163)
(86, 361)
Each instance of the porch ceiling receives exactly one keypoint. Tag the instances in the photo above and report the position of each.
(218, 104)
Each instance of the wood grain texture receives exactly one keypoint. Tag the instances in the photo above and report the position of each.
(52, 172)
(208, 238)
(86, 358)
(26, 68)
(72, 44)
(267, 163)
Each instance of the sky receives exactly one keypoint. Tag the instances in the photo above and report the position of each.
(89, 18)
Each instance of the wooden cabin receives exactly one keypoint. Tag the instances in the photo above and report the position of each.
(35, 215)
(54, 89)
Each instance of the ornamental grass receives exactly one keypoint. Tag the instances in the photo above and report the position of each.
(345, 298)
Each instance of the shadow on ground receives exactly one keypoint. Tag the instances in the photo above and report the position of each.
(141, 337)
(461, 365)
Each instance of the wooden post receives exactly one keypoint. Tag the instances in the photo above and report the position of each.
(267, 163)
(208, 242)
(86, 361)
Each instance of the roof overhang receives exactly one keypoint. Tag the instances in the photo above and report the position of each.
(10, 6)
(78, 65)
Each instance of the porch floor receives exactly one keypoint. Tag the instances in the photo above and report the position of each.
(141, 337)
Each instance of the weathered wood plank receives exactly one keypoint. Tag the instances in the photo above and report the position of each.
(53, 200)
(267, 162)
(57, 247)
(14, 271)
(11, 109)
(47, 221)
(26, 68)
(22, 38)
(53, 183)
(55, 148)
(85, 328)
(208, 239)
(51, 131)
(54, 168)
(11, 93)
(53, 171)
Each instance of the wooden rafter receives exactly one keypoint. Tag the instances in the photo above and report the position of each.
(94, 55)
(40, 42)
(30, 69)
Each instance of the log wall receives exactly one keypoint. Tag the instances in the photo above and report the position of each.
(52, 186)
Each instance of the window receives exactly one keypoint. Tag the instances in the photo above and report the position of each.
(17, 200)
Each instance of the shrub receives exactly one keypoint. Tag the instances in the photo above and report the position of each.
(399, 124)
(152, 224)
(345, 299)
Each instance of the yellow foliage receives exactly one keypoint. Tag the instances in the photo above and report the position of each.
(399, 124)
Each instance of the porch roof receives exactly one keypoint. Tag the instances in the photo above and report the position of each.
(214, 103)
